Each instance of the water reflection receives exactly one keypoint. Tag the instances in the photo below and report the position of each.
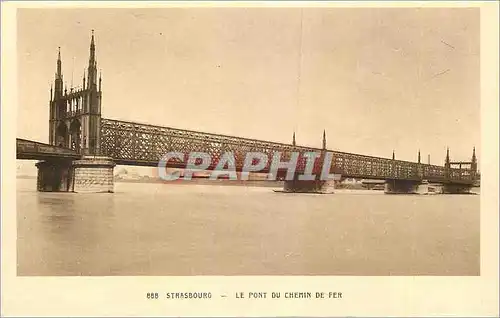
(57, 212)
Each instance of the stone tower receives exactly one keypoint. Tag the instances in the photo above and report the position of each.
(75, 114)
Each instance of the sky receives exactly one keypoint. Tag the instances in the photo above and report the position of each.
(376, 79)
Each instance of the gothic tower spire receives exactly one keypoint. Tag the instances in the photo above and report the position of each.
(92, 47)
(474, 160)
(92, 107)
(419, 156)
(324, 139)
(59, 72)
(92, 69)
(58, 89)
(293, 140)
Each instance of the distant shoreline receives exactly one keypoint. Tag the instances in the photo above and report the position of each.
(220, 182)
(225, 182)
(198, 181)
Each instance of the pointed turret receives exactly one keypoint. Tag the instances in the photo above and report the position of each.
(393, 155)
(419, 156)
(324, 139)
(59, 63)
(474, 160)
(293, 140)
(92, 47)
(83, 78)
(92, 69)
(447, 160)
(58, 83)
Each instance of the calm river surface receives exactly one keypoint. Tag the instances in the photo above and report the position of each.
(159, 229)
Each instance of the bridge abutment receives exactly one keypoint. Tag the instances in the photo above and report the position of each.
(401, 186)
(55, 176)
(93, 174)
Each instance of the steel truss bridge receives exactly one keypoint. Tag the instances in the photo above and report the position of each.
(130, 143)
(136, 144)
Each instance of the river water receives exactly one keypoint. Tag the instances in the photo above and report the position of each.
(160, 229)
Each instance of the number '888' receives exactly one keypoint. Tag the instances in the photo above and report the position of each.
(152, 296)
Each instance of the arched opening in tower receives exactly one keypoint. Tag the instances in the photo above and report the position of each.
(76, 135)
(62, 135)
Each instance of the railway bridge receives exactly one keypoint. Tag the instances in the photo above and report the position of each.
(84, 147)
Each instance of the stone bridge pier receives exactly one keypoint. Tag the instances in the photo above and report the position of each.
(93, 174)
(55, 175)
(394, 186)
(90, 174)
(454, 188)
(308, 186)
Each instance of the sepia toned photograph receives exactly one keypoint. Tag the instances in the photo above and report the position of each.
(242, 141)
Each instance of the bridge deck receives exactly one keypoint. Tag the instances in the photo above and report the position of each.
(33, 150)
